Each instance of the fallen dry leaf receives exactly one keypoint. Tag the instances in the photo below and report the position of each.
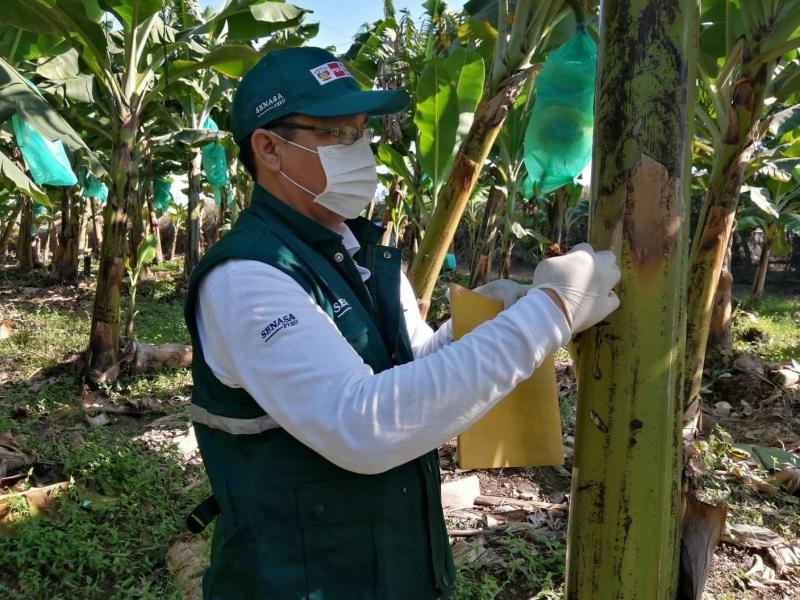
(11, 457)
(750, 536)
(187, 560)
(39, 384)
(38, 499)
(790, 478)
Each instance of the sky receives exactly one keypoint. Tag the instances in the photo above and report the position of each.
(339, 20)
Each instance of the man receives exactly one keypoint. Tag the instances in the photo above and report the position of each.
(320, 395)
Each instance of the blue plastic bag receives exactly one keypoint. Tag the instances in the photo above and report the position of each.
(558, 140)
(47, 161)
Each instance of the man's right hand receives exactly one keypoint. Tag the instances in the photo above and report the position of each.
(583, 280)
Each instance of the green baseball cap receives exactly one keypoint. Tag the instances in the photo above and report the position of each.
(307, 81)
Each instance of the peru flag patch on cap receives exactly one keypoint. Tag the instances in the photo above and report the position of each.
(327, 72)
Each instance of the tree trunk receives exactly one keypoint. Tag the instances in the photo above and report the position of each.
(146, 197)
(720, 340)
(174, 243)
(625, 507)
(481, 261)
(741, 245)
(104, 333)
(761, 273)
(84, 253)
(556, 210)
(136, 215)
(216, 224)
(506, 249)
(453, 198)
(716, 223)
(155, 230)
(223, 209)
(64, 267)
(25, 237)
(12, 220)
(193, 216)
(97, 236)
(393, 199)
(52, 241)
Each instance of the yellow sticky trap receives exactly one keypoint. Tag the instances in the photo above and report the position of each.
(524, 428)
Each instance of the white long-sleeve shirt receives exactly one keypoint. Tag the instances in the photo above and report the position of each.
(313, 384)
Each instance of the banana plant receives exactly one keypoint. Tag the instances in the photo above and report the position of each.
(145, 252)
(128, 47)
(625, 502)
(177, 214)
(519, 34)
(445, 82)
(775, 208)
(748, 60)
(20, 97)
(510, 166)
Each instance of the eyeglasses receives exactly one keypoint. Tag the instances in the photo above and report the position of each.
(346, 134)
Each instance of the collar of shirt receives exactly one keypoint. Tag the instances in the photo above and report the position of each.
(352, 246)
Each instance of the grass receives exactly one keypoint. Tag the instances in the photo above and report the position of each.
(107, 535)
(42, 336)
(524, 567)
(776, 334)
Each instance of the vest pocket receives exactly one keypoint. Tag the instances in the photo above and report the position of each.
(340, 520)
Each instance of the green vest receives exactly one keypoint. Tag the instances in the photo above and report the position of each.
(292, 524)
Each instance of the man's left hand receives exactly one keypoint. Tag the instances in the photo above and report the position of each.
(503, 290)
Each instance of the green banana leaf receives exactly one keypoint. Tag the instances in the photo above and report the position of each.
(131, 12)
(12, 174)
(448, 92)
(251, 19)
(19, 96)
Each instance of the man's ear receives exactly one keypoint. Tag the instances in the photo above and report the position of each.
(265, 153)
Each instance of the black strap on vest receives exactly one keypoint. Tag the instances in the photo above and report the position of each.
(202, 515)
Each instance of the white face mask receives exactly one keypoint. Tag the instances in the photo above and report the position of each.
(351, 176)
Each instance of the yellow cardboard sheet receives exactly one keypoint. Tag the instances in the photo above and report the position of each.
(524, 428)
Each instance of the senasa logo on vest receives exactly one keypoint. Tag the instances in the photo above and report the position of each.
(279, 324)
(340, 307)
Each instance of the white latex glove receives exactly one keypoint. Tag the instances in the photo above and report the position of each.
(583, 280)
(503, 290)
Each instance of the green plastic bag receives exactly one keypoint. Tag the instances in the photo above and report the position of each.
(558, 140)
(162, 195)
(47, 161)
(92, 187)
(449, 262)
(215, 163)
